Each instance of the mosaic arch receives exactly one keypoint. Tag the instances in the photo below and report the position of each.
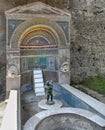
(40, 32)
(39, 35)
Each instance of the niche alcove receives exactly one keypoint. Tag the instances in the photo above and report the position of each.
(38, 36)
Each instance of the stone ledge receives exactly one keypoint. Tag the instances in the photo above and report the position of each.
(11, 117)
(92, 102)
(32, 123)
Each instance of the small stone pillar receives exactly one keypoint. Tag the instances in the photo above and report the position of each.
(12, 83)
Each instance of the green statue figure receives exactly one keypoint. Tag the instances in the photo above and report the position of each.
(49, 92)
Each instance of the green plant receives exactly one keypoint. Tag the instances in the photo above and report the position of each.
(96, 83)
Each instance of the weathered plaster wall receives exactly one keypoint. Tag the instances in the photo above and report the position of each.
(87, 38)
(87, 34)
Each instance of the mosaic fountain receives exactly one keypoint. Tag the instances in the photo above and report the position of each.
(39, 39)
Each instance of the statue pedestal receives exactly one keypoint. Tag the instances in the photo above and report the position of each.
(43, 105)
(50, 102)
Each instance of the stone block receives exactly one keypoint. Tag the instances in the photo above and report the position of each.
(37, 76)
(38, 85)
(38, 80)
(13, 83)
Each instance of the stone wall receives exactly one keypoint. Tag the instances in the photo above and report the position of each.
(87, 34)
(26, 78)
(87, 38)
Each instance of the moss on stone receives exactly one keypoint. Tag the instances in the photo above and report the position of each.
(96, 83)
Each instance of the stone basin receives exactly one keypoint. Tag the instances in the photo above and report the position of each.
(65, 119)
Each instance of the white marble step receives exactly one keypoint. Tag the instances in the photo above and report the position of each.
(37, 72)
(38, 85)
(38, 80)
(38, 76)
(40, 94)
(39, 89)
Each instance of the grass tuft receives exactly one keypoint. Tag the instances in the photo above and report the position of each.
(96, 83)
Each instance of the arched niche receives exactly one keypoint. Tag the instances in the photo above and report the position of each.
(37, 37)
(38, 27)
